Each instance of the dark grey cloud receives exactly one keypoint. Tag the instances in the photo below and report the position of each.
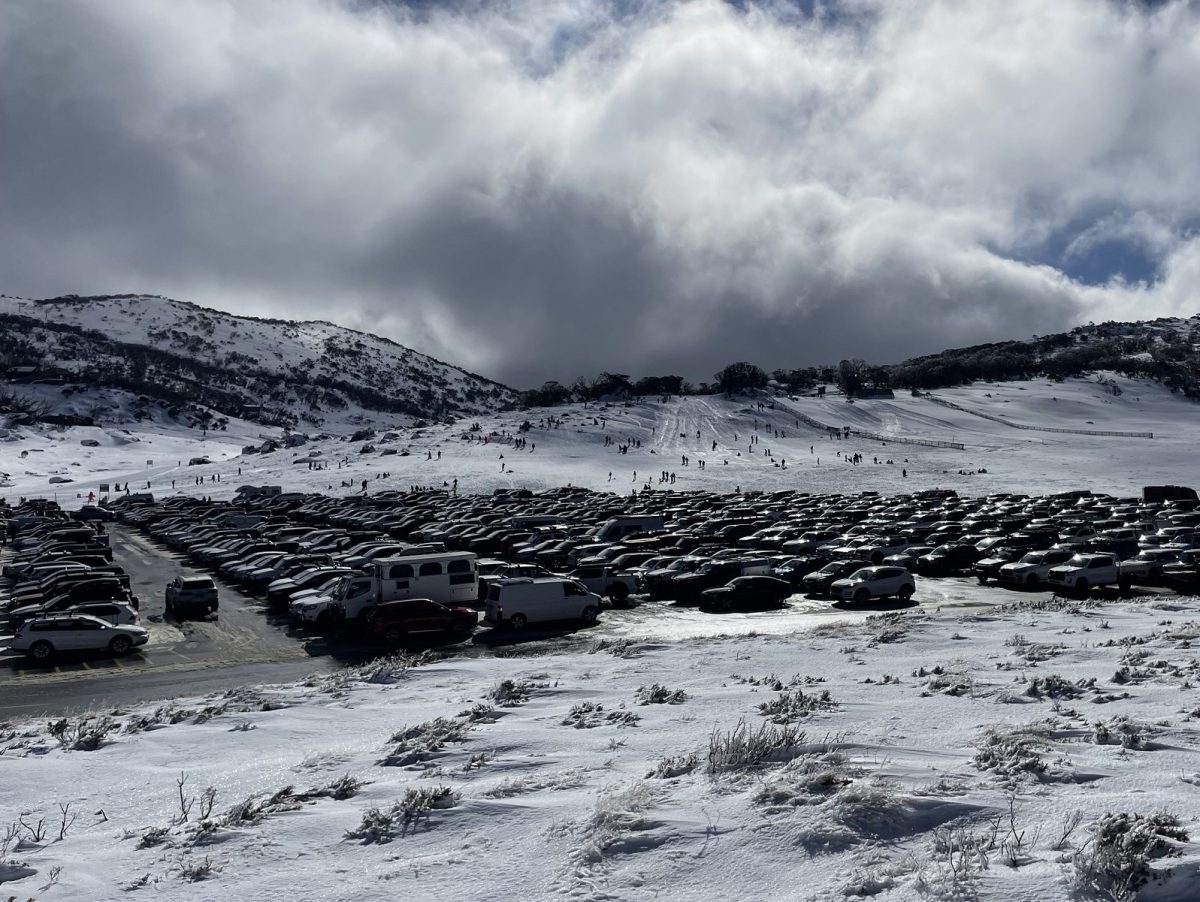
(542, 190)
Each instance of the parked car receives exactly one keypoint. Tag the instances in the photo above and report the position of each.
(874, 582)
(116, 613)
(819, 581)
(606, 581)
(396, 621)
(747, 592)
(989, 567)
(1087, 571)
(43, 637)
(795, 569)
(192, 595)
(947, 560)
(1032, 569)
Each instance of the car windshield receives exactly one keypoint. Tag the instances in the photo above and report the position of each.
(863, 574)
(1032, 558)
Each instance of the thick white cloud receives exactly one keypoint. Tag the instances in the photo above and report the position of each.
(540, 190)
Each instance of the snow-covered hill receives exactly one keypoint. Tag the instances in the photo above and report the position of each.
(305, 374)
(741, 445)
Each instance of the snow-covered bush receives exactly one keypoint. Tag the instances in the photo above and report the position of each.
(1122, 730)
(658, 694)
(1052, 686)
(1011, 753)
(615, 817)
(745, 748)
(382, 825)
(86, 734)
(674, 766)
(794, 705)
(586, 715)
(511, 693)
(1115, 862)
(422, 742)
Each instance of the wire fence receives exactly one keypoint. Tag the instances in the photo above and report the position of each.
(990, 416)
(900, 440)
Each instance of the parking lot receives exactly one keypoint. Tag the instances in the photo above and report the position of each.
(250, 643)
(244, 644)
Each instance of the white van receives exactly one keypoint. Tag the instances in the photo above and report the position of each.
(516, 602)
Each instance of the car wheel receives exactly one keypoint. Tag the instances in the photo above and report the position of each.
(41, 651)
(618, 592)
(982, 579)
(517, 621)
(590, 614)
(1124, 585)
(120, 645)
(1032, 581)
(1082, 587)
(906, 592)
(862, 596)
(393, 635)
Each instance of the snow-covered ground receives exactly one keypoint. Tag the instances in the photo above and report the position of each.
(956, 747)
(995, 457)
(903, 757)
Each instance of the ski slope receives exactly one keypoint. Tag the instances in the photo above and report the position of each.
(756, 449)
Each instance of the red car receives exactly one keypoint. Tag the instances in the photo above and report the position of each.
(396, 621)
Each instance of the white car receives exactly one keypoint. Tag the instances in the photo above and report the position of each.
(1034, 567)
(44, 637)
(874, 582)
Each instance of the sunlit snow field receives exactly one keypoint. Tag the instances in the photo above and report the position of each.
(942, 752)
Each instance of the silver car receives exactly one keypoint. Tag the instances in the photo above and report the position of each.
(43, 637)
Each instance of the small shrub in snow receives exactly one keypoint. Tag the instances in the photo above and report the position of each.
(195, 871)
(657, 694)
(810, 783)
(674, 766)
(382, 671)
(1122, 730)
(479, 713)
(344, 787)
(85, 734)
(422, 742)
(256, 808)
(382, 825)
(1052, 686)
(885, 629)
(586, 715)
(511, 693)
(622, 718)
(873, 878)
(155, 836)
(795, 705)
(745, 748)
(1011, 753)
(520, 785)
(621, 648)
(1115, 862)
(617, 815)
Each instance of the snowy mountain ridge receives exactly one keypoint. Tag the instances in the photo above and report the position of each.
(296, 374)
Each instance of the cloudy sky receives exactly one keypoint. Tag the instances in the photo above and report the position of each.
(540, 190)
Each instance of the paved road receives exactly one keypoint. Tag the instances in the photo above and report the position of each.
(243, 645)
